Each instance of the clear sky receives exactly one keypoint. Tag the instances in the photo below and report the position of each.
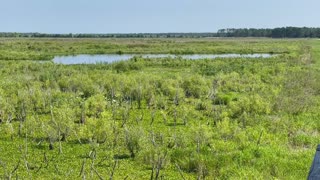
(134, 16)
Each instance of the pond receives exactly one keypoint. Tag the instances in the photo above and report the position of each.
(109, 58)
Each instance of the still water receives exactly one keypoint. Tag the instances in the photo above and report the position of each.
(109, 58)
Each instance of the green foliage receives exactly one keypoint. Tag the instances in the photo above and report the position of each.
(96, 130)
(132, 138)
(161, 118)
(95, 105)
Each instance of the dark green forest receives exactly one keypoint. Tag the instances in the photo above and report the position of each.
(284, 32)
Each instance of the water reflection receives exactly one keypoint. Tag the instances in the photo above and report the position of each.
(109, 58)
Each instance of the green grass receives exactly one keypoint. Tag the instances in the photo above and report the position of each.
(46, 49)
(216, 119)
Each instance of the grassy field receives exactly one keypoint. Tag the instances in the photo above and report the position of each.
(236, 118)
(45, 49)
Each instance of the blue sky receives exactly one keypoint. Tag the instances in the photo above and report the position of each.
(134, 16)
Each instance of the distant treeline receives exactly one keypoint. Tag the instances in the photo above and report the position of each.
(129, 35)
(284, 32)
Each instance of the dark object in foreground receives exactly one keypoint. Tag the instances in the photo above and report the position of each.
(314, 173)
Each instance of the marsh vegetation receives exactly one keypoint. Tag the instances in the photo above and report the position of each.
(159, 118)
